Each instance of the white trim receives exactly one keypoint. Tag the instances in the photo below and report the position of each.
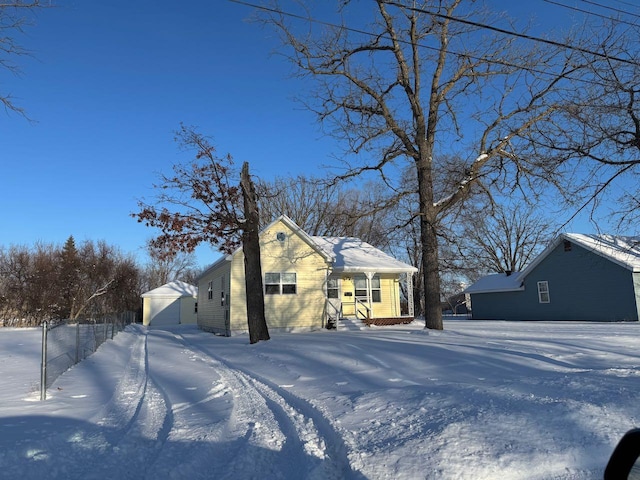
(543, 289)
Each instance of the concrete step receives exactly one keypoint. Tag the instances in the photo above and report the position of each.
(351, 323)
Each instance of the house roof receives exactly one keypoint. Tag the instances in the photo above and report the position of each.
(622, 250)
(344, 254)
(175, 289)
(497, 282)
(353, 255)
(308, 239)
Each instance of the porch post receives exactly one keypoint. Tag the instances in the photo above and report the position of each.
(369, 291)
(409, 277)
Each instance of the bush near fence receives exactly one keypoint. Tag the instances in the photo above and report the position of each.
(66, 342)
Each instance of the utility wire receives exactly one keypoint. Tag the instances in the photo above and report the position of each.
(406, 42)
(512, 33)
(590, 2)
(634, 5)
(589, 12)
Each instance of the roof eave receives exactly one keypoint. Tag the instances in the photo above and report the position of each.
(494, 290)
(356, 269)
(214, 265)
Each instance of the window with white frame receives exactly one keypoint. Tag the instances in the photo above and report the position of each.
(376, 296)
(333, 288)
(284, 283)
(360, 283)
(210, 290)
(543, 292)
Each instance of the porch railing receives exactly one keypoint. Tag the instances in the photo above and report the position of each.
(363, 309)
(334, 314)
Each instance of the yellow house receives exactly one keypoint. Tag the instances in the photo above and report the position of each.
(309, 282)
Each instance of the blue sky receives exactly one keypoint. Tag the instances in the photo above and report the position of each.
(109, 83)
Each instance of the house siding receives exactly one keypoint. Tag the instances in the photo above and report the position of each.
(582, 286)
(305, 308)
(389, 306)
(211, 313)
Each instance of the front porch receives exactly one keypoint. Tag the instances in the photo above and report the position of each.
(368, 300)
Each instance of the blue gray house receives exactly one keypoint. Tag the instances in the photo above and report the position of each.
(577, 277)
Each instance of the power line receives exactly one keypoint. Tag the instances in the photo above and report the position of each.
(370, 34)
(511, 33)
(590, 2)
(428, 47)
(589, 12)
(627, 3)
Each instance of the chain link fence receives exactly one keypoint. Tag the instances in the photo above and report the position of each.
(65, 343)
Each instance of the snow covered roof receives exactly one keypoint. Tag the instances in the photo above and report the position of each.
(353, 255)
(497, 282)
(175, 289)
(622, 250)
(308, 239)
(344, 254)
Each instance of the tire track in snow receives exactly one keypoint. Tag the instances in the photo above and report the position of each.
(302, 441)
(135, 423)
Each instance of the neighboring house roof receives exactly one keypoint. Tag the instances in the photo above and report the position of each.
(497, 282)
(353, 255)
(175, 289)
(624, 251)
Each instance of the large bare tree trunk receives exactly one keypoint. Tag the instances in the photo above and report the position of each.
(431, 274)
(252, 269)
(429, 239)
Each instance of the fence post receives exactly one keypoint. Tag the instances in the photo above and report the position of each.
(43, 365)
(77, 340)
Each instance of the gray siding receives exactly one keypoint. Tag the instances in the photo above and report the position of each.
(582, 286)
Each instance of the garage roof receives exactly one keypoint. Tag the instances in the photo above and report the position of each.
(174, 289)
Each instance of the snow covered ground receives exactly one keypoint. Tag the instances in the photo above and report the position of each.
(480, 400)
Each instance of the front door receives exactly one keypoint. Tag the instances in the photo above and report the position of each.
(347, 296)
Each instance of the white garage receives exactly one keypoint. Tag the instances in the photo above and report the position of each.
(171, 304)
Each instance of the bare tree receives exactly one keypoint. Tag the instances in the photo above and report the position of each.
(600, 127)
(164, 267)
(209, 201)
(418, 86)
(48, 282)
(504, 241)
(306, 200)
(252, 264)
(104, 281)
(324, 209)
(13, 20)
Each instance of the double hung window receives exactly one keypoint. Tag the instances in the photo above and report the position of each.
(360, 283)
(284, 283)
(543, 292)
(333, 288)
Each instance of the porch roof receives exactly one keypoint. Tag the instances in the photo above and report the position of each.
(352, 255)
